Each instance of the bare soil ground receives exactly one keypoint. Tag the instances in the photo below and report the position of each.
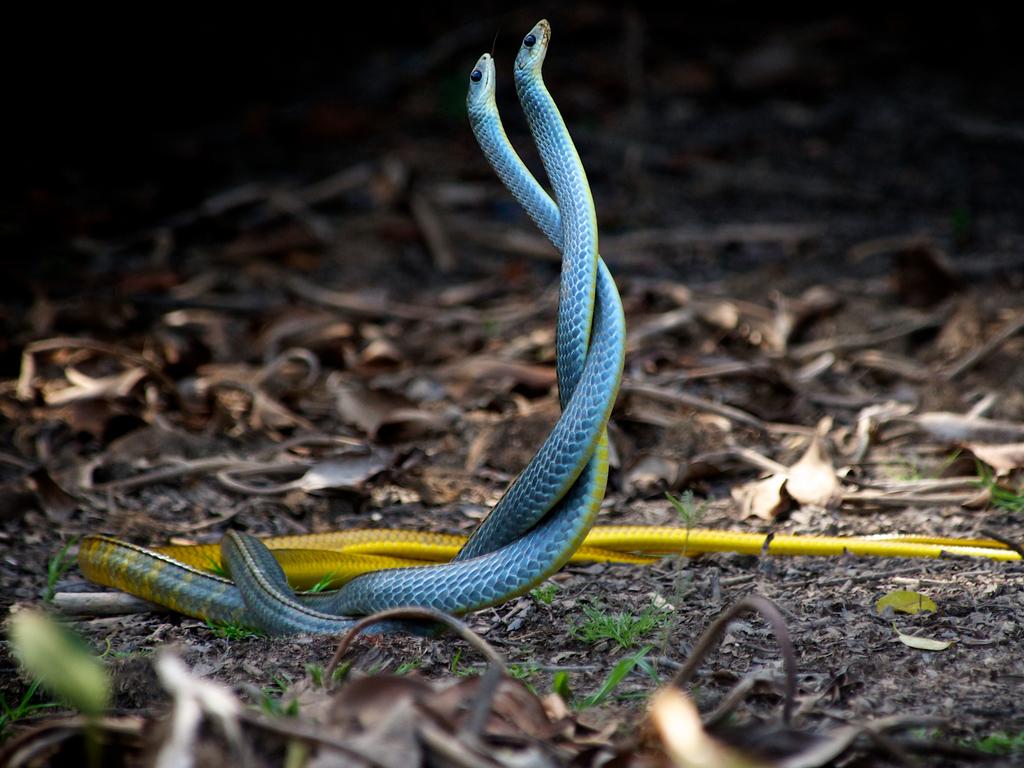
(808, 226)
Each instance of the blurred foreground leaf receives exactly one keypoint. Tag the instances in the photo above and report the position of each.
(60, 661)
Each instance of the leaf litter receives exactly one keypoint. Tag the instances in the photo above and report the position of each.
(873, 388)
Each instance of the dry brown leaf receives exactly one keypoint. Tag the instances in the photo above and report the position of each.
(90, 416)
(268, 413)
(380, 354)
(364, 700)
(812, 479)
(923, 643)
(386, 416)
(651, 473)
(348, 472)
(57, 503)
(508, 374)
(1002, 458)
(438, 486)
(762, 498)
(719, 313)
(391, 737)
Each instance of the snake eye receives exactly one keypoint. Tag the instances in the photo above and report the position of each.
(476, 75)
(530, 40)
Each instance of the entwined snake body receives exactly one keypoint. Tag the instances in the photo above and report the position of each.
(545, 514)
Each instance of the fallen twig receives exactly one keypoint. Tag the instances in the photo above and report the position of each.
(1009, 329)
(102, 604)
(698, 403)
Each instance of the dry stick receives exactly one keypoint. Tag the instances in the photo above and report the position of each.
(877, 360)
(907, 499)
(1012, 327)
(185, 468)
(102, 604)
(314, 439)
(735, 696)
(938, 484)
(663, 323)
(429, 222)
(23, 747)
(514, 241)
(698, 403)
(860, 340)
(712, 635)
(357, 304)
(719, 371)
(450, 749)
(724, 234)
(481, 707)
(228, 480)
(295, 728)
(746, 455)
(292, 354)
(841, 739)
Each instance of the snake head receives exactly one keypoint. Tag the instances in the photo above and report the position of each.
(481, 84)
(534, 47)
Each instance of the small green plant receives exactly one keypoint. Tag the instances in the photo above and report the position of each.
(456, 668)
(524, 672)
(998, 743)
(625, 629)
(560, 685)
(545, 593)
(689, 510)
(12, 714)
(58, 565)
(231, 631)
(620, 672)
(214, 566)
(272, 699)
(408, 666)
(341, 671)
(1002, 498)
(316, 674)
(324, 583)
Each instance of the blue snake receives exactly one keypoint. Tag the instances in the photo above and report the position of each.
(546, 512)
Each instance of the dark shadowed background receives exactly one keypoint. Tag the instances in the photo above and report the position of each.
(867, 122)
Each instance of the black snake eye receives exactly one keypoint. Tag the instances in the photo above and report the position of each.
(530, 40)
(476, 75)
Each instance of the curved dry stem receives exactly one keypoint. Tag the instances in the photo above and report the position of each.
(713, 634)
(291, 355)
(496, 669)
